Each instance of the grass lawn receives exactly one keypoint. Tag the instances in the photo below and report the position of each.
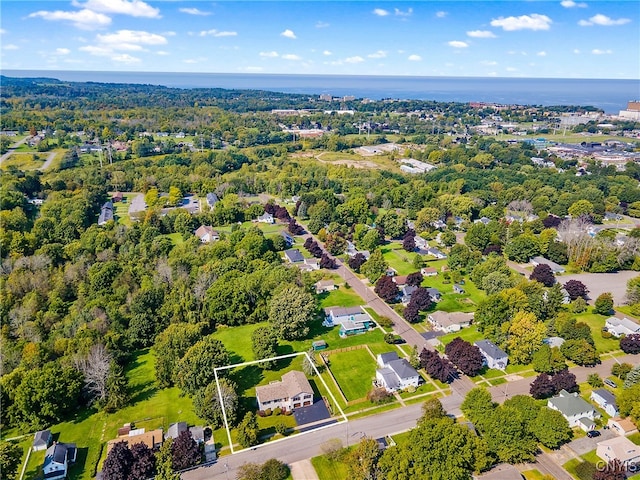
(533, 475)
(399, 259)
(354, 371)
(25, 161)
(237, 340)
(635, 438)
(626, 309)
(328, 469)
(340, 297)
(596, 322)
(470, 334)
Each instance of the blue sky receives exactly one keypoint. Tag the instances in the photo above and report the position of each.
(561, 39)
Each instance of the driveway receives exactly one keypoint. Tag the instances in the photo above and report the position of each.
(311, 414)
(585, 444)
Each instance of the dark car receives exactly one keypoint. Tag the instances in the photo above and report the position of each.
(593, 433)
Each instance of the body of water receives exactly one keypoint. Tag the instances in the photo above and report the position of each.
(609, 95)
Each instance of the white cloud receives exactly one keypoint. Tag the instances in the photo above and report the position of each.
(489, 62)
(62, 51)
(381, 12)
(378, 54)
(511, 69)
(603, 20)
(542, 53)
(252, 69)
(126, 39)
(125, 58)
(457, 44)
(215, 33)
(355, 59)
(194, 11)
(597, 51)
(572, 4)
(400, 13)
(10, 46)
(481, 34)
(2, 31)
(134, 8)
(535, 21)
(162, 53)
(291, 56)
(271, 54)
(576, 51)
(320, 24)
(83, 19)
(441, 14)
(288, 34)
(327, 53)
(414, 58)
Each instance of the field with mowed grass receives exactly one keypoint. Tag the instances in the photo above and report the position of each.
(596, 322)
(340, 297)
(354, 370)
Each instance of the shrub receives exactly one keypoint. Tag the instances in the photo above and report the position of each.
(268, 412)
(277, 411)
(261, 413)
(379, 395)
(385, 322)
(281, 428)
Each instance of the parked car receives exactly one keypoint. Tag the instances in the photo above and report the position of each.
(611, 383)
(593, 433)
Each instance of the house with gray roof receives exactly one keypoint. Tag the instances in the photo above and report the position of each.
(175, 429)
(605, 400)
(621, 326)
(41, 440)
(395, 373)
(293, 391)
(574, 408)
(212, 199)
(293, 256)
(555, 268)
(57, 460)
(106, 213)
(494, 356)
(352, 320)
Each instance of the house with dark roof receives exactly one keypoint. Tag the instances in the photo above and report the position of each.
(434, 294)
(494, 356)
(212, 199)
(293, 391)
(395, 373)
(57, 460)
(575, 409)
(287, 237)
(41, 440)
(405, 294)
(458, 289)
(434, 252)
(605, 400)
(293, 256)
(106, 213)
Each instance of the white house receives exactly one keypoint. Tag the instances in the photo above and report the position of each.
(494, 356)
(325, 286)
(434, 252)
(429, 271)
(352, 320)
(605, 400)
(266, 218)
(312, 263)
(293, 391)
(622, 426)
(621, 326)
(449, 322)
(207, 234)
(574, 408)
(395, 373)
(619, 448)
(57, 460)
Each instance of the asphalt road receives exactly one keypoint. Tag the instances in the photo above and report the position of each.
(12, 148)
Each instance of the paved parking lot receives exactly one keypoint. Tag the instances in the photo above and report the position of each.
(598, 283)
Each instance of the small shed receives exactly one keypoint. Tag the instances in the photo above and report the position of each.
(41, 440)
(319, 345)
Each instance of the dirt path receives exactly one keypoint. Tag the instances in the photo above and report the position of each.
(50, 158)
(12, 149)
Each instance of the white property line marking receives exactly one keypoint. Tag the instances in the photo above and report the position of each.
(254, 362)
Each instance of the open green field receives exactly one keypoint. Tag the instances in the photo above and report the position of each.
(354, 370)
(470, 334)
(340, 297)
(533, 475)
(24, 161)
(399, 259)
